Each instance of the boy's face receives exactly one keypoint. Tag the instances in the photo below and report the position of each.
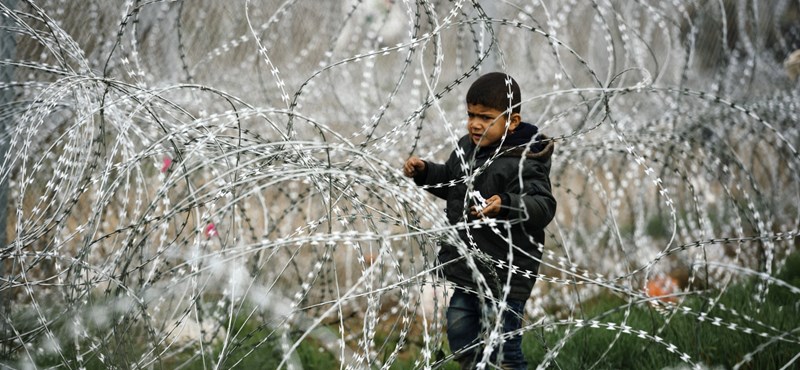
(487, 125)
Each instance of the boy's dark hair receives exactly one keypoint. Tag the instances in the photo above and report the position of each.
(491, 90)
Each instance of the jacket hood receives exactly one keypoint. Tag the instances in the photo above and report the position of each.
(541, 146)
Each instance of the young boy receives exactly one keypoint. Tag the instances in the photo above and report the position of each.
(516, 187)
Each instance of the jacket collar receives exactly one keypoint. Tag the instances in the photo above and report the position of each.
(540, 147)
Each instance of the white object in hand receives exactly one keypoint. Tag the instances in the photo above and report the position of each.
(480, 202)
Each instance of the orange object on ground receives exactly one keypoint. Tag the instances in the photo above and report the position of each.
(662, 286)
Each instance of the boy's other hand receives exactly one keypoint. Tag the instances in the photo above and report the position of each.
(490, 209)
(413, 167)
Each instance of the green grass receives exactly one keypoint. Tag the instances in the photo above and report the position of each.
(713, 345)
(705, 342)
(256, 347)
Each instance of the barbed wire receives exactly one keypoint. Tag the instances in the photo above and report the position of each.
(200, 182)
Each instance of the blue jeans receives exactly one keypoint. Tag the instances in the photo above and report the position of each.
(464, 329)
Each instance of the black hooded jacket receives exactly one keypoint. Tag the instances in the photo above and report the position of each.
(527, 202)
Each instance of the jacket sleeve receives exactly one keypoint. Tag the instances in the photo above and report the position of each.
(532, 201)
(438, 174)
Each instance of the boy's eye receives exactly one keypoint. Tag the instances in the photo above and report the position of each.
(482, 117)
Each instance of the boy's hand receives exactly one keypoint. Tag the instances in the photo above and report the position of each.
(490, 209)
(413, 167)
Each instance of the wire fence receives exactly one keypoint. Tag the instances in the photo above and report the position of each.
(199, 181)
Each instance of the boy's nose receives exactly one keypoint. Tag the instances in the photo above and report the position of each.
(473, 122)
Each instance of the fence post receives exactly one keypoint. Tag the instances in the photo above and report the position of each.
(490, 63)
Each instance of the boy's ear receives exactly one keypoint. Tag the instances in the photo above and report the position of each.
(516, 118)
